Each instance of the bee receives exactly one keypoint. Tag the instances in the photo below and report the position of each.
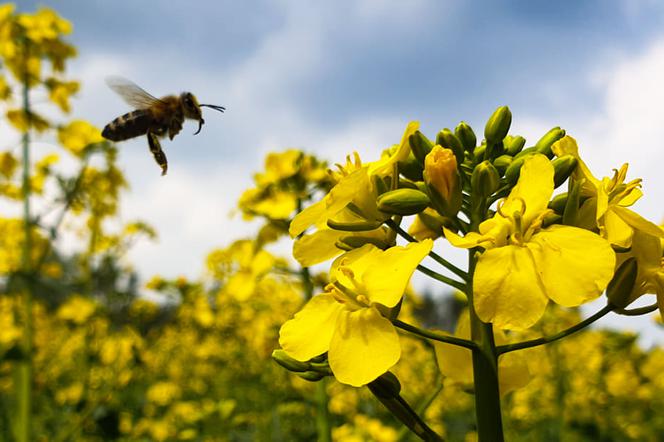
(153, 117)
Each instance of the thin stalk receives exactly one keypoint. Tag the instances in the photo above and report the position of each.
(442, 278)
(502, 349)
(439, 259)
(638, 311)
(485, 357)
(24, 387)
(436, 336)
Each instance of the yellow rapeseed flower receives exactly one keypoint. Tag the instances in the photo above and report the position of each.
(608, 199)
(347, 320)
(78, 134)
(525, 265)
(354, 185)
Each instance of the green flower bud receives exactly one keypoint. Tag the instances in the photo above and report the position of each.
(526, 151)
(434, 221)
(502, 163)
(514, 170)
(311, 376)
(544, 144)
(351, 242)
(478, 153)
(573, 203)
(466, 135)
(443, 181)
(386, 385)
(411, 168)
(282, 358)
(551, 218)
(402, 202)
(485, 179)
(446, 138)
(513, 145)
(620, 288)
(420, 145)
(557, 204)
(358, 226)
(498, 125)
(563, 167)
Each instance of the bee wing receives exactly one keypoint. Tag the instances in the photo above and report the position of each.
(130, 92)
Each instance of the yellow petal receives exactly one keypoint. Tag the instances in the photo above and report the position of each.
(384, 165)
(615, 230)
(241, 285)
(575, 265)
(364, 346)
(472, 239)
(638, 222)
(567, 146)
(453, 361)
(513, 372)
(534, 189)
(309, 333)
(317, 247)
(308, 217)
(388, 275)
(631, 198)
(507, 289)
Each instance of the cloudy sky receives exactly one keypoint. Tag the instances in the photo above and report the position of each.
(333, 77)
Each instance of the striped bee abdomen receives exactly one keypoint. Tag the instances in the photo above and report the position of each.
(129, 125)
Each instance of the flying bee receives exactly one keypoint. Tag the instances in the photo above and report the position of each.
(154, 117)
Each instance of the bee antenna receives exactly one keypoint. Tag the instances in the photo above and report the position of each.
(214, 106)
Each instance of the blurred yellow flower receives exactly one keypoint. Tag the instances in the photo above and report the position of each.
(78, 309)
(163, 393)
(78, 134)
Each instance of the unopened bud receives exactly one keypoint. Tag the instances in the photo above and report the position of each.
(385, 386)
(485, 179)
(411, 168)
(514, 170)
(420, 145)
(572, 204)
(502, 163)
(403, 202)
(443, 181)
(356, 226)
(558, 203)
(478, 153)
(563, 167)
(311, 376)
(620, 288)
(513, 145)
(527, 151)
(498, 125)
(351, 242)
(466, 135)
(282, 358)
(544, 144)
(446, 138)
(551, 218)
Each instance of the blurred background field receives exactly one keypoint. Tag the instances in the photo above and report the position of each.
(154, 314)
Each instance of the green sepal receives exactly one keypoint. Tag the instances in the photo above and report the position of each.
(403, 202)
(420, 146)
(466, 135)
(498, 125)
(564, 167)
(620, 288)
(544, 144)
(282, 358)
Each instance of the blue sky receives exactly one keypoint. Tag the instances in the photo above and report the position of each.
(333, 77)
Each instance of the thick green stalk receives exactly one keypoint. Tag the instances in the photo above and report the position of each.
(24, 368)
(485, 358)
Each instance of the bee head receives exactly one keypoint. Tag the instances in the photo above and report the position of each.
(193, 110)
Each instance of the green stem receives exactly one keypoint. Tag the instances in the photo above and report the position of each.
(485, 357)
(638, 311)
(437, 276)
(24, 388)
(436, 336)
(502, 349)
(439, 259)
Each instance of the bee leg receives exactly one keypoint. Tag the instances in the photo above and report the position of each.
(174, 128)
(157, 153)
